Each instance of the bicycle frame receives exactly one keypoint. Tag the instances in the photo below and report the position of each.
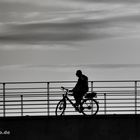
(66, 98)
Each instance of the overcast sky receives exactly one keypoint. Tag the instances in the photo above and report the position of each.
(44, 40)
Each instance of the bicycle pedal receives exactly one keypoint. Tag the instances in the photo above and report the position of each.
(81, 110)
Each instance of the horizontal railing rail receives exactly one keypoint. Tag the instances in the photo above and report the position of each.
(41, 98)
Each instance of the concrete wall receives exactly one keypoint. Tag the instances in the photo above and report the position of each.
(121, 127)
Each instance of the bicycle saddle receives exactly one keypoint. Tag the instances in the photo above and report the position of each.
(91, 95)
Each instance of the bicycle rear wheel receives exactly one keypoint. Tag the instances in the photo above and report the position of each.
(90, 107)
(60, 108)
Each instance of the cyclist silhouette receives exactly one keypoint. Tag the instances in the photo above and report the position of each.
(80, 88)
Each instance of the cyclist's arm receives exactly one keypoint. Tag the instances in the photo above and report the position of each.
(71, 90)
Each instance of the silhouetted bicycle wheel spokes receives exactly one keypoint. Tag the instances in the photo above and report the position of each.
(90, 107)
(61, 106)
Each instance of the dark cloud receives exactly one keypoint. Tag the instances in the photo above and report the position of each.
(41, 32)
(60, 32)
(69, 29)
(32, 38)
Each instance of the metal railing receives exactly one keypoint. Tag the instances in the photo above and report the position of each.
(41, 98)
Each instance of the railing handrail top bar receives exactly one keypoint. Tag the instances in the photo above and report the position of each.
(117, 81)
(39, 82)
(67, 81)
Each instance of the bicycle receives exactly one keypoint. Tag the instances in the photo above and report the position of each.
(88, 106)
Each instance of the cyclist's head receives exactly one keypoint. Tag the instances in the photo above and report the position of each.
(78, 73)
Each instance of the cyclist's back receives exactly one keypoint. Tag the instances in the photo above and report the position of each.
(82, 84)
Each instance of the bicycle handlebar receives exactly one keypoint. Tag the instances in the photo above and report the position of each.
(63, 88)
(67, 91)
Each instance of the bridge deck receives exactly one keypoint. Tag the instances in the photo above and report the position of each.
(110, 127)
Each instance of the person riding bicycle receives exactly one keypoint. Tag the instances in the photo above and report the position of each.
(80, 88)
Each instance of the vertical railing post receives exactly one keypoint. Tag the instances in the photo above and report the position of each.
(48, 98)
(135, 97)
(91, 86)
(92, 91)
(21, 105)
(105, 103)
(4, 100)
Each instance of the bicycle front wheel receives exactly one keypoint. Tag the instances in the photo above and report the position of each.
(90, 107)
(60, 108)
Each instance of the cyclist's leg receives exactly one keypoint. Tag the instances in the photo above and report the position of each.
(76, 97)
(79, 98)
